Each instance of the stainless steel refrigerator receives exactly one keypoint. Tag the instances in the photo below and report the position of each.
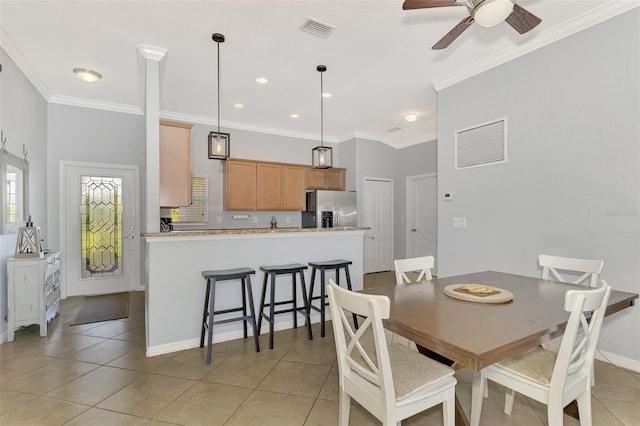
(330, 209)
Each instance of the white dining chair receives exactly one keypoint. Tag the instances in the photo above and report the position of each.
(559, 268)
(422, 265)
(392, 383)
(556, 268)
(555, 379)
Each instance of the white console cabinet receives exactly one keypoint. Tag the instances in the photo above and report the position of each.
(33, 295)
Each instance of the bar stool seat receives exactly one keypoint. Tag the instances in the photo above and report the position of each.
(273, 271)
(335, 265)
(212, 277)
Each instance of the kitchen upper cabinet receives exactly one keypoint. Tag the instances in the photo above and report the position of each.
(262, 185)
(269, 186)
(333, 178)
(240, 185)
(293, 188)
(175, 164)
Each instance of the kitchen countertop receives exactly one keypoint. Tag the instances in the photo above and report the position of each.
(245, 231)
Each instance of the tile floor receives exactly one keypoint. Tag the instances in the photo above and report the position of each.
(97, 374)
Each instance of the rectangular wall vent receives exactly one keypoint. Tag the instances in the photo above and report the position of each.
(481, 145)
(317, 28)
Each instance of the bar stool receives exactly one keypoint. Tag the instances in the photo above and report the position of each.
(212, 278)
(336, 265)
(293, 269)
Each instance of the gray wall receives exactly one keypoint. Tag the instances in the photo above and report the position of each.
(572, 183)
(373, 160)
(410, 161)
(23, 118)
(90, 135)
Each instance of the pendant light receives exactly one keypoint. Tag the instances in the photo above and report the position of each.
(218, 142)
(322, 156)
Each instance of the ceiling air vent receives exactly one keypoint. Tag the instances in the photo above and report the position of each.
(393, 129)
(317, 28)
(481, 145)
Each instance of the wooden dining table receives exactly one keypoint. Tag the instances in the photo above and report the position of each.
(475, 335)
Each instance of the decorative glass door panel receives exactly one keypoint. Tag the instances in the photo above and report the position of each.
(101, 245)
(101, 226)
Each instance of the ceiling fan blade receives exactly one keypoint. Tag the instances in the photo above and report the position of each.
(453, 34)
(423, 4)
(522, 20)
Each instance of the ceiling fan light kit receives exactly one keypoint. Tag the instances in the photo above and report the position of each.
(489, 13)
(486, 13)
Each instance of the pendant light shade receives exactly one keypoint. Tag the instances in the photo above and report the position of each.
(322, 156)
(218, 142)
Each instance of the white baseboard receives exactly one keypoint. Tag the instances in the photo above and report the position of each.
(3, 337)
(223, 337)
(608, 357)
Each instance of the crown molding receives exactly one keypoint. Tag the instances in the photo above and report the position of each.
(23, 64)
(168, 115)
(581, 22)
(90, 103)
(151, 52)
(431, 136)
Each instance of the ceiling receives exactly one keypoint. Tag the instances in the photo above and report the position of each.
(379, 58)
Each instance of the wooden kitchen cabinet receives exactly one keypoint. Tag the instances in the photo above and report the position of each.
(333, 179)
(268, 186)
(240, 185)
(33, 292)
(293, 188)
(263, 185)
(175, 164)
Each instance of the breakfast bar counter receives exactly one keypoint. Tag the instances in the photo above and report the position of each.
(175, 289)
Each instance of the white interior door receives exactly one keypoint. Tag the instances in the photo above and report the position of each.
(422, 216)
(99, 223)
(377, 214)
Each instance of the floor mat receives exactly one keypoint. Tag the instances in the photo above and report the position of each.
(102, 308)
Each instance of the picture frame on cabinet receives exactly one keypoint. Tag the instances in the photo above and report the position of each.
(219, 145)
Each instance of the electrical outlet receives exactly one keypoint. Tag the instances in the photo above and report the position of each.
(219, 219)
(288, 219)
(255, 220)
(459, 222)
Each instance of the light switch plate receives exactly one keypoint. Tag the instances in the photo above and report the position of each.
(459, 222)
(255, 220)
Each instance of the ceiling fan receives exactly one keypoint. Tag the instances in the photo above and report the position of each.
(486, 13)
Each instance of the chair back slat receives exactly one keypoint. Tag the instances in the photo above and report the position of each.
(422, 265)
(358, 358)
(581, 335)
(560, 268)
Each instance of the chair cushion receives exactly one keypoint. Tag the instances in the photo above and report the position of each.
(536, 364)
(412, 370)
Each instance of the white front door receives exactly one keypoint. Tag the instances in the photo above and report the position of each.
(100, 237)
(422, 216)
(377, 201)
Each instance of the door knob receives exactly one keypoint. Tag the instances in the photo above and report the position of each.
(413, 230)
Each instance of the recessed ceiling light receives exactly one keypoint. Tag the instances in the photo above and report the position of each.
(238, 105)
(295, 116)
(327, 95)
(410, 118)
(261, 80)
(90, 76)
